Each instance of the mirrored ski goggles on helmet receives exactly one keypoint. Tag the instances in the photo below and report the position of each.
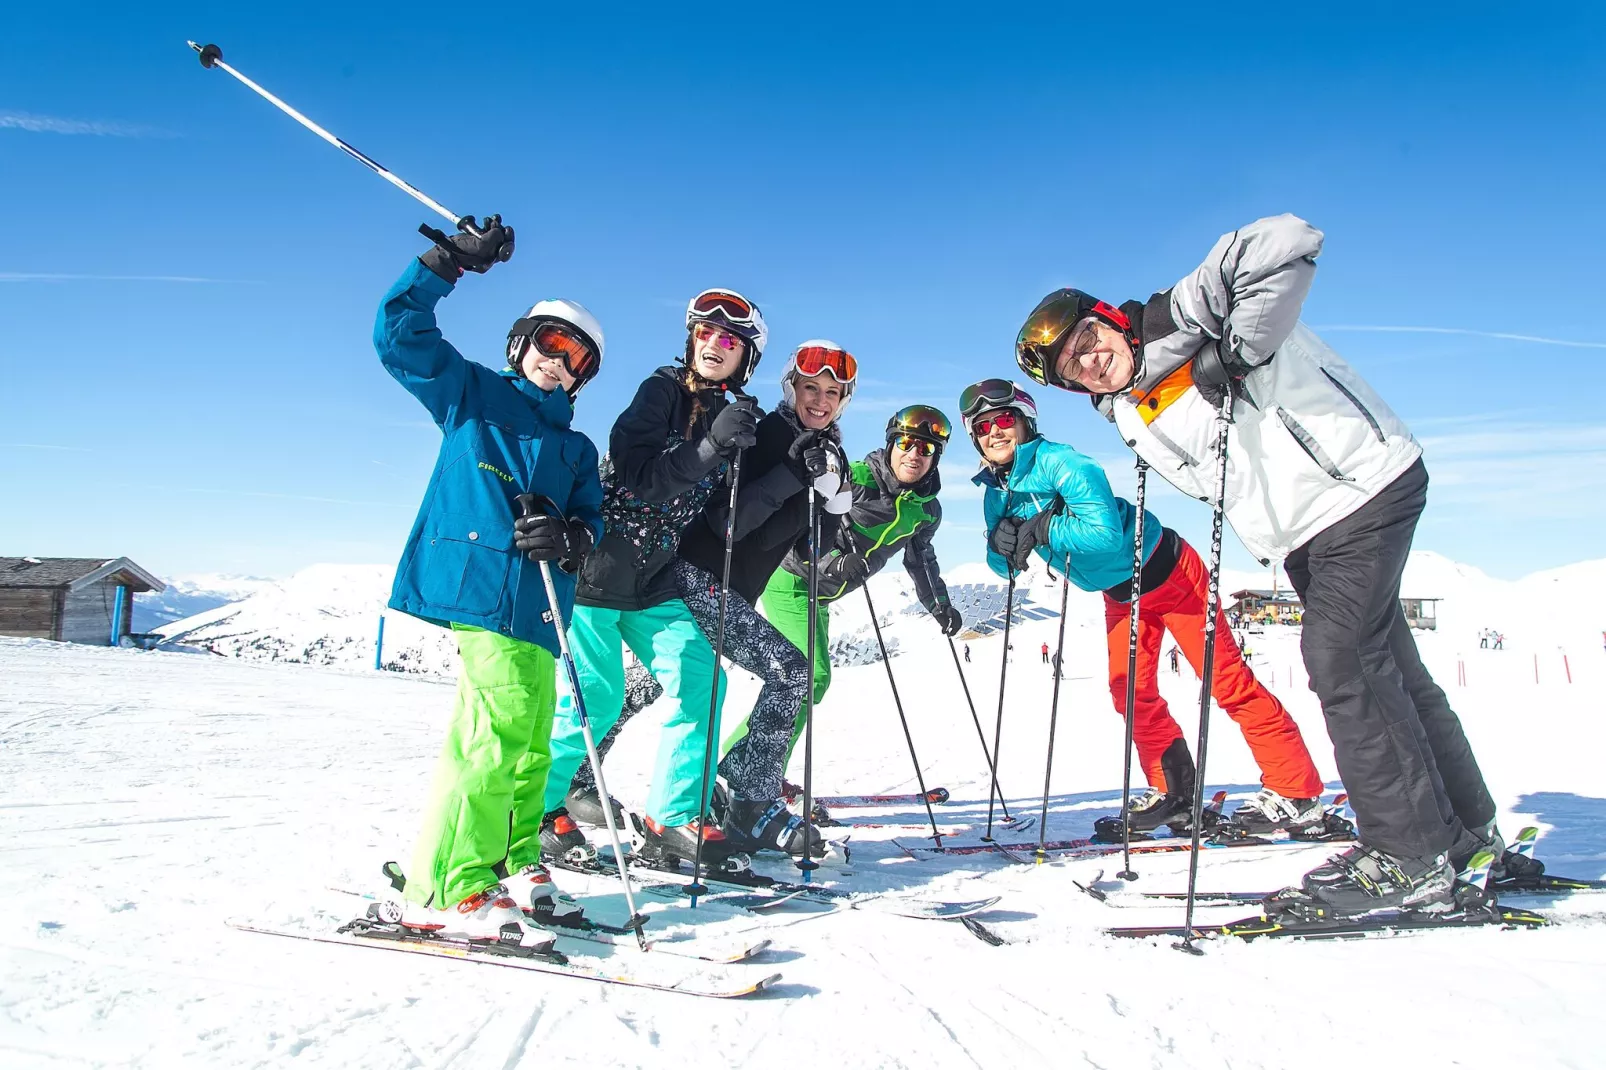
(555, 340)
(914, 444)
(921, 420)
(733, 307)
(1003, 420)
(812, 360)
(987, 394)
(722, 338)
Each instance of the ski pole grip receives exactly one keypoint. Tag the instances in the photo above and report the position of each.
(537, 505)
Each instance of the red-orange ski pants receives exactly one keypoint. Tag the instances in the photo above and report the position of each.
(1178, 605)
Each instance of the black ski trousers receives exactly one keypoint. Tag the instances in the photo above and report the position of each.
(1404, 759)
(754, 766)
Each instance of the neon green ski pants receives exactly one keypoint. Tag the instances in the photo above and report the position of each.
(668, 641)
(485, 802)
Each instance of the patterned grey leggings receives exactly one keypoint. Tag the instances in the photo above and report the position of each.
(754, 766)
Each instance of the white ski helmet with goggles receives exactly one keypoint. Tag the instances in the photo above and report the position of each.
(993, 395)
(568, 314)
(729, 311)
(813, 357)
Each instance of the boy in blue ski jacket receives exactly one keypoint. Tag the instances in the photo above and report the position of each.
(1048, 499)
(472, 564)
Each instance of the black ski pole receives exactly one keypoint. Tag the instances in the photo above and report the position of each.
(807, 863)
(212, 56)
(1054, 712)
(998, 722)
(1126, 873)
(696, 887)
(1207, 670)
(540, 504)
(920, 777)
(981, 736)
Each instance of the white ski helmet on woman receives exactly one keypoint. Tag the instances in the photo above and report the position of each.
(992, 395)
(579, 322)
(813, 357)
(729, 311)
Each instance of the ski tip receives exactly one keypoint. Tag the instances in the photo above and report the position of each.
(1478, 868)
(1525, 836)
(938, 795)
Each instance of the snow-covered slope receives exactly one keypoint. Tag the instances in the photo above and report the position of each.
(186, 596)
(146, 797)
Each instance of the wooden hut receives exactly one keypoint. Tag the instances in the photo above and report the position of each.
(71, 599)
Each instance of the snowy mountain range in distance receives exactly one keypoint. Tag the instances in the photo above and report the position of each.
(329, 614)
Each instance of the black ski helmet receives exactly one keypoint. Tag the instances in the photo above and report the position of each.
(1043, 335)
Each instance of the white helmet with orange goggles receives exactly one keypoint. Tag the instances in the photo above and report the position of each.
(562, 329)
(729, 311)
(813, 357)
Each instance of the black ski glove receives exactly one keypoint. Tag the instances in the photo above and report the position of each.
(1014, 539)
(736, 426)
(470, 250)
(1216, 373)
(553, 538)
(845, 570)
(811, 456)
(948, 618)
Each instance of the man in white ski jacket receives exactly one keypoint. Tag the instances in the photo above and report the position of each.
(1322, 475)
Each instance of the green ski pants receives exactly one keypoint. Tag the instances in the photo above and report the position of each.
(786, 605)
(485, 802)
(674, 649)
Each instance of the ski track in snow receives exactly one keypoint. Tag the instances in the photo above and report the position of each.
(145, 798)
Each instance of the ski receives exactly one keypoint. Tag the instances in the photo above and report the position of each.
(711, 983)
(848, 802)
(1285, 925)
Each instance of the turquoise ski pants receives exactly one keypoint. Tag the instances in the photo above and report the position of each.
(674, 649)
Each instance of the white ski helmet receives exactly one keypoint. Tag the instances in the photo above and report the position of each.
(991, 395)
(730, 311)
(570, 314)
(813, 357)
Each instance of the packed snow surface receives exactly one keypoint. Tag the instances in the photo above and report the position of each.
(146, 798)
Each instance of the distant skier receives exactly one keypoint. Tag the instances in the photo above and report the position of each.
(1323, 475)
(1175, 669)
(1047, 499)
(1499, 640)
(1483, 638)
(895, 510)
(967, 653)
(1045, 653)
(505, 433)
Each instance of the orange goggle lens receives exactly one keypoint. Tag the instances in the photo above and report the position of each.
(910, 444)
(578, 357)
(812, 360)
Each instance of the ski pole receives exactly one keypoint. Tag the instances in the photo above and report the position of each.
(1054, 711)
(212, 56)
(981, 736)
(807, 863)
(1126, 873)
(531, 504)
(1207, 670)
(920, 778)
(998, 721)
(696, 887)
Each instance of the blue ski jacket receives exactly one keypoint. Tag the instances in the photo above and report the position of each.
(504, 437)
(1094, 527)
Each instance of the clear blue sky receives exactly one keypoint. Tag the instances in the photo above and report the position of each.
(188, 279)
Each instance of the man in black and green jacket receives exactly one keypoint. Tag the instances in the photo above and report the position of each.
(895, 508)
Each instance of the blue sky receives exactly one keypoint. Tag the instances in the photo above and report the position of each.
(188, 280)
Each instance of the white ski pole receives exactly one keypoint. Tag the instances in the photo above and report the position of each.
(528, 504)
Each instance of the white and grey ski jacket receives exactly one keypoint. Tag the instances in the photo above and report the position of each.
(1310, 442)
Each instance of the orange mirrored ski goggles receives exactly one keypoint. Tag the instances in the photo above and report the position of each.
(812, 360)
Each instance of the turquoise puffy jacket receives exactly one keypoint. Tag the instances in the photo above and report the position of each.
(503, 437)
(1094, 527)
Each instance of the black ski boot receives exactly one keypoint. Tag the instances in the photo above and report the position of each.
(584, 804)
(563, 842)
(1364, 880)
(668, 845)
(1147, 812)
(770, 826)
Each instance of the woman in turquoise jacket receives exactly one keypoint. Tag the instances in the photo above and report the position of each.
(505, 434)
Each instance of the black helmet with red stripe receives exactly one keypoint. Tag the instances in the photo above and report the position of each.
(1043, 336)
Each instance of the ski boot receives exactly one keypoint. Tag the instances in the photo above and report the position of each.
(490, 915)
(1269, 811)
(584, 804)
(770, 826)
(1172, 807)
(532, 887)
(562, 840)
(667, 845)
(1363, 880)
